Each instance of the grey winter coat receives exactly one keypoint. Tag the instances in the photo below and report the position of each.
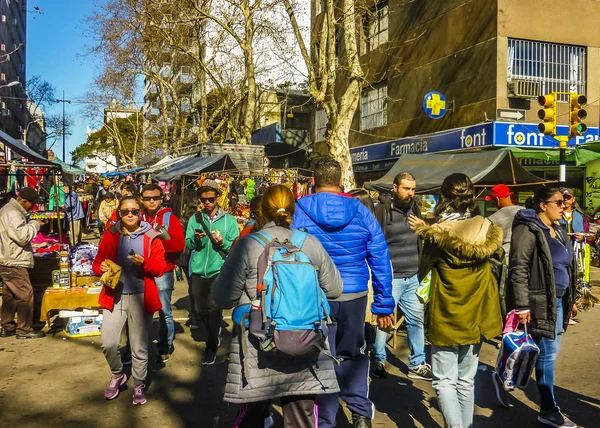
(271, 376)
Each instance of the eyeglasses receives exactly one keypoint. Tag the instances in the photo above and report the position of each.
(151, 198)
(125, 213)
(210, 200)
(567, 197)
(558, 203)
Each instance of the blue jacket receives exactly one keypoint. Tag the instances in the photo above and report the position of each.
(73, 206)
(354, 241)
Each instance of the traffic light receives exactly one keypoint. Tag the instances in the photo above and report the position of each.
(577, 114)
(547, 114)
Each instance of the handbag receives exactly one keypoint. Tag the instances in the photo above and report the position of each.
(517, 357)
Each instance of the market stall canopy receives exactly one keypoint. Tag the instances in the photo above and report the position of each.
(23, 150)
(69, 169)
(165, 163)
(485, 168)
(196, 165)
(582, 154)
(125, 172)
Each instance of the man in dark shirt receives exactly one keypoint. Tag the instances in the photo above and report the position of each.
(405, 251)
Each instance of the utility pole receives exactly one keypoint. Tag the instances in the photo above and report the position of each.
(63, 101)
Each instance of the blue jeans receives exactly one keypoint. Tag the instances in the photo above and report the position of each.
(404, 292)
(454, 369)
(166, 335)
(544, 368)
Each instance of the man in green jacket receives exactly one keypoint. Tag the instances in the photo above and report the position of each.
(210, 233)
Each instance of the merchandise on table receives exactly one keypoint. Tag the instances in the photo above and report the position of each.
(46, 215)
(82, 257)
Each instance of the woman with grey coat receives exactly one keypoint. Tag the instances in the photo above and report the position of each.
(261, 377)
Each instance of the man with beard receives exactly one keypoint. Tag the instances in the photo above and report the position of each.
(405, 253)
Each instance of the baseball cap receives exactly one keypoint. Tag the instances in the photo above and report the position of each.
(567, 191)
(499, 191)
(30, 195)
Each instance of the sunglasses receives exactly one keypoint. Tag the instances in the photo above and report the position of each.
(210, 200)
(125, 213)
(567, 197)
(558, 203)
(151, 198)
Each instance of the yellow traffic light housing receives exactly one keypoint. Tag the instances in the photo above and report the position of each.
(547, 114)
(576, 115)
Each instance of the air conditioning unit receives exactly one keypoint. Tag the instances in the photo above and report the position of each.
(523, 89)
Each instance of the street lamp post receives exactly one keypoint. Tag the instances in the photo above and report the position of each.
(63, 101)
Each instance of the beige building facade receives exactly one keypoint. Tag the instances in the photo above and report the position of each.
(490, 59)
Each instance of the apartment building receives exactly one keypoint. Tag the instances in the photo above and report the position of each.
(490, 60)
(13, 102)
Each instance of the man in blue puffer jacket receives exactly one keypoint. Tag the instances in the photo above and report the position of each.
(355, 242)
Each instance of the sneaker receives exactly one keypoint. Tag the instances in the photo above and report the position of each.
(209, 357)
(33, 334)
(163, 358)
(378, 370)
(269, 421)
(502, 394)
(572, 322)
(422, 372)
(359, 421)
(7, 333)
(139, 397)
(556, 419)
(114, 386)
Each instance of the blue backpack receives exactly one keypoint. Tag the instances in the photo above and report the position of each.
(290, 313)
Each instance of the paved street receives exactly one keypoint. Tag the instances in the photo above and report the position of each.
(59, 382)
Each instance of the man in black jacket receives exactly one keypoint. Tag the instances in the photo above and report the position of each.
(405, 254)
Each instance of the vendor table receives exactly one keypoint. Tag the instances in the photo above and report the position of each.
(72, 298)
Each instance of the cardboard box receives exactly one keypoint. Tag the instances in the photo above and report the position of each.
(86, 280)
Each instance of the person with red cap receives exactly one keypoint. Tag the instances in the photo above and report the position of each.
(501, 197)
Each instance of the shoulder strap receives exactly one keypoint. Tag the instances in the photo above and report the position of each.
(298, 238)
(167, 219)
(262, 238)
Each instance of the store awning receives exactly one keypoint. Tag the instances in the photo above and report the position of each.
(196, 165)
(581, 154)
(120, 173)
(485, 168)
(23, 150)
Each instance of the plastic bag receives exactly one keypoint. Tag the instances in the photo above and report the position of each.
(424, 289)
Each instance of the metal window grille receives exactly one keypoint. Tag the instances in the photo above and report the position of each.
(558, 68)
(374, 106)
(377, 27)
(320, 125)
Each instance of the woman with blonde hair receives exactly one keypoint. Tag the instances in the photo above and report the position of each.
(255, 377)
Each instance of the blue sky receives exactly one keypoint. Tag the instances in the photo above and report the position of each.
(55, 38)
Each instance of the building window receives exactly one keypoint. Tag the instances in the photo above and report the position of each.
(374, 106)
(376, 27)
(320, 125)
(557, 68)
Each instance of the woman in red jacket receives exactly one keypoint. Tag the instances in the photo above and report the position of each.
(131, 244)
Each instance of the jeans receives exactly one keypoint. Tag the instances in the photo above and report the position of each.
(544, 367)
(454, 370)
(166, 335)
(404, 292)
(206, 310)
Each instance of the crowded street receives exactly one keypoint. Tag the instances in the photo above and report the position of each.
(60, 381)
(299, 214)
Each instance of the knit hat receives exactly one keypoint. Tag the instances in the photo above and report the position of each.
(210, 183)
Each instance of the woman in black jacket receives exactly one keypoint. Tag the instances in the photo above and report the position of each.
(542, 283)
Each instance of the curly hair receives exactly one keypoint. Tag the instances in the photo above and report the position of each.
(457, 195)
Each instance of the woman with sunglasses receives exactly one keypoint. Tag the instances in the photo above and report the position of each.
(541, 286)
(132, 245)
(572, 219)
